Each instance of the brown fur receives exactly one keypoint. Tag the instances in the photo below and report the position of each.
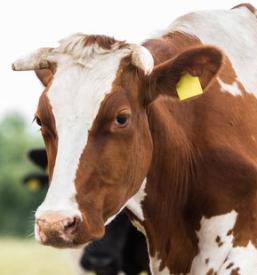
(103, 41)
(250, 7)
(48, 130)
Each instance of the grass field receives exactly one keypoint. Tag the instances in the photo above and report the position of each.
(26, 257)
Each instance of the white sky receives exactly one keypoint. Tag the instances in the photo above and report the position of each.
(26, 25)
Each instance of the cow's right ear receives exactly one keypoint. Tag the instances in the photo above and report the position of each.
(45, 76)
(186, 75)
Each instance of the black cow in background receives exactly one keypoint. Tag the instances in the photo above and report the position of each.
(37, 180)
(123, 248)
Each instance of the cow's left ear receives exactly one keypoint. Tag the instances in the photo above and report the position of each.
(45, 76)
(186, 75)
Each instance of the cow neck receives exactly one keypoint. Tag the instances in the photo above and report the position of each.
(171, 177)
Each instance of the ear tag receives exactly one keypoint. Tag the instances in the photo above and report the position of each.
(33, 185)
(188, 86)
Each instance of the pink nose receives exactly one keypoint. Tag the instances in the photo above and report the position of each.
(54, 228)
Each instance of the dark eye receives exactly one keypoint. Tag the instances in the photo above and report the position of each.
(122, 120)
(38, 121)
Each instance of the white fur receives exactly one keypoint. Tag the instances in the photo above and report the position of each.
(142, 58)
(75, 96)
(33, 61)
(74, 45)
(208, 247)
(110, 219)
(134, 204)
(244, 258)
(155, 265)
(231, 88)
(234, 31)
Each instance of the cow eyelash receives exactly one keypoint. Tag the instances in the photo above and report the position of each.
(38, 121)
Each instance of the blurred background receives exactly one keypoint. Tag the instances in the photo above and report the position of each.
(27, 25)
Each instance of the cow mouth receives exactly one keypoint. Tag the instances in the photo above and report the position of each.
(55, 239)
(50, 236)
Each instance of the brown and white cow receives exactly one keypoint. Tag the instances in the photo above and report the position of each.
(118, 136)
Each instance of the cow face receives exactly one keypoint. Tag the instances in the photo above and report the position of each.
(93, 117)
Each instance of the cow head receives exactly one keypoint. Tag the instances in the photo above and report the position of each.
(93, 118)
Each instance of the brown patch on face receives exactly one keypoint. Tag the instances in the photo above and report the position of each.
(116, 158)
(207, 260)
(103, 41)
(45, 76)
(48, 130)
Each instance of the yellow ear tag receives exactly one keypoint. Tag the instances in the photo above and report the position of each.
(188, 86)
(33, 185)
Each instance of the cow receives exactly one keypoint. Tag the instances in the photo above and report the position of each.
(166, 129)
(37, 180)
(123, 248)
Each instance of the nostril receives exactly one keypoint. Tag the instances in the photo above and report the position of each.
(71, 225)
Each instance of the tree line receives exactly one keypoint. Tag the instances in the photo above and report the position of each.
(17, 202)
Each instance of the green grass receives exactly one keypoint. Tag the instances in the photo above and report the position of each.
(26, 257)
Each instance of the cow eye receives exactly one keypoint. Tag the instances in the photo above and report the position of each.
(38, 121)
(122, 120)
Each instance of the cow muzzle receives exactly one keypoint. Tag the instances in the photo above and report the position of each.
(57, 229)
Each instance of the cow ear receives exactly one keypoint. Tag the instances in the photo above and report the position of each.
(38, 157)
(45, 76)
(186, 75)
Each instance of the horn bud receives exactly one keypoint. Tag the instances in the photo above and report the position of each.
(142, 58)
(34, 61)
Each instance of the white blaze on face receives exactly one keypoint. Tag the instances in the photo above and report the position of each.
(75, 96)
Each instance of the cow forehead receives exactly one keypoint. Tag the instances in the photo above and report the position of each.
(77, 91)
(84, 76)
